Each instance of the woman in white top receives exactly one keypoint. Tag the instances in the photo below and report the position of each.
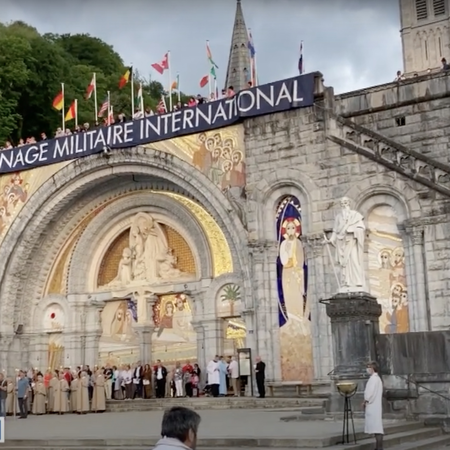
(128, 380)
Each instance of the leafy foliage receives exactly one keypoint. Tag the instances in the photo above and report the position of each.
(33, 66)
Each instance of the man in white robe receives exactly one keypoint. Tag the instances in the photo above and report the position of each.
(373, 398)
(213, 370)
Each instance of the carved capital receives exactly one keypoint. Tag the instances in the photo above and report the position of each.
(313, 244)
(416, 234)
(351, 307)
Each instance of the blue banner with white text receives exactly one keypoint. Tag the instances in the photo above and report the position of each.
(270, 98)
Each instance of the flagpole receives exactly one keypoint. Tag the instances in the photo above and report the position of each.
(170, 79)
(95, 98)
(215, 89)
(76, 113)
(178, 87)
(132, 91)
(303, 60)
(109, 108)
(209, 70)
(141, 99)
(63, 109)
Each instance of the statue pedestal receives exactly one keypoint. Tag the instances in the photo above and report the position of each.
(354, 320)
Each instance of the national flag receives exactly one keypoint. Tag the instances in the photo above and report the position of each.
(71, 112)
(125, 78)
(300, 60)
(91, 88)
(176, 84)
(213, 72)
(111, 116)
(204, 81)
(58, 102)
(250, 45)
(162, 108)
(104, 107)
(139, 96)
(163, 65)
(209, 56)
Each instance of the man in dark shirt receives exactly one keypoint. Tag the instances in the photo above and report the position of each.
(23, 388)
(260, 371)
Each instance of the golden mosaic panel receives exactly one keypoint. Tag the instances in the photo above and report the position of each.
(111, 260)
(221, 254)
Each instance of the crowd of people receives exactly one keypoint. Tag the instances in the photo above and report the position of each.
(121, 117)
(82, 390)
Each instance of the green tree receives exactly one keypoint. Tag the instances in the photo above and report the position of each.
(33, 66)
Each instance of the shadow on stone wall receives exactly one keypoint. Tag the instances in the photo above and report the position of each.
(416, 371)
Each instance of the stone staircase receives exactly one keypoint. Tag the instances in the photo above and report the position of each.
(401, 436)
(392, 155)
(202, 403)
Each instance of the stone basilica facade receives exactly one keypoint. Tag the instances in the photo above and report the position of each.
(205, 244)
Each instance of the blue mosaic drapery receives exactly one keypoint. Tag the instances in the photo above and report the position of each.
(289, 208)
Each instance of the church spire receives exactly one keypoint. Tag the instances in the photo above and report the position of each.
(239, 70)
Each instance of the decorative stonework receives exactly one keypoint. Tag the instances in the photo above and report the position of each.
(63, 181)
(348, 307)
(405, 161)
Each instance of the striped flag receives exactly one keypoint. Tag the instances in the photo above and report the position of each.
(209, 56)
(104, 107)
(91, 88)
(300, 59)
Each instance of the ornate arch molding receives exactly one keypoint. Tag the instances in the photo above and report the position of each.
(82, 176)
(115, 217)
(272, 189)
(69, 221)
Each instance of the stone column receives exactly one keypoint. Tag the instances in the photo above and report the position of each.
(93, 331)
(354, 326)
(201, 357)
(213, 337)
(320, 325)
(265, 320)
(145, 330)
(417, 287)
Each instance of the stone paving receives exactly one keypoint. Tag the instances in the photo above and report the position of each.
(215, 424)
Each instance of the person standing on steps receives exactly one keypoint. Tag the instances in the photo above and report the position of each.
(373, 398)
(260, 372)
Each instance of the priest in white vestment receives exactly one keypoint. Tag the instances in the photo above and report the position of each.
(213, 370)
(373, 398)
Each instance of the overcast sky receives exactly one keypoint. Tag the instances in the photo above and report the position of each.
(354, 43)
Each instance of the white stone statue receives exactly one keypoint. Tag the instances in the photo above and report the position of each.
(124, 275)
(348, 239)
(167, 263)
(147, 243)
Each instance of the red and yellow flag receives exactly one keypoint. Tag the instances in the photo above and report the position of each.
(125, 78)
(58, 102)
(71, 112)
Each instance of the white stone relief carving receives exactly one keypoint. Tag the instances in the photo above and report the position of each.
(347, 239)
(148, 260)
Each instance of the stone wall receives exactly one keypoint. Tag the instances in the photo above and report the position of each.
(414, 112)
(289, 154)
(416, 371)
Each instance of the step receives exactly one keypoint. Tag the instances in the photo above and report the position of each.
(397, 434)
(214, 403)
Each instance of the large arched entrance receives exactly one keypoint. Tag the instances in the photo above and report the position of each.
(138, 236)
